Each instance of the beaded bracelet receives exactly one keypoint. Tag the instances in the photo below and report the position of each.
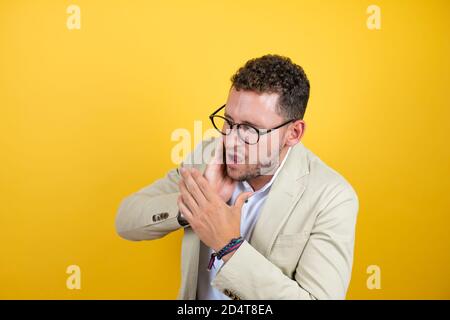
(230, 247)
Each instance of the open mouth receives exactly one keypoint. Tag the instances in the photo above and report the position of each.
(233, 158)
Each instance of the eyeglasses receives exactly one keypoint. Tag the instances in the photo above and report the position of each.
(246, 132)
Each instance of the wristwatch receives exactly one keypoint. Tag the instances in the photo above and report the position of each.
(182, 221)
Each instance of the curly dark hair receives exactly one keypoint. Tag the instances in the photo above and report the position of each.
(276, 74)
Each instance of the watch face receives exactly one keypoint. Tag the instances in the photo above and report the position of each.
(181, 220)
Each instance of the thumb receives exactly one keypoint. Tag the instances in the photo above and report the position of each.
(218, 152)
(215, 166)
(241, 199)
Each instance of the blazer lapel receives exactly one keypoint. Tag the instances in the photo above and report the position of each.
(284, 193)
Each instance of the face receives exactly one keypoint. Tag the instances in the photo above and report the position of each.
(245, 161)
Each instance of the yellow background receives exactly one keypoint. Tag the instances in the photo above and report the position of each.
(87, 116)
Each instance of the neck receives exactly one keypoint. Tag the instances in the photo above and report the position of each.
(260, 181)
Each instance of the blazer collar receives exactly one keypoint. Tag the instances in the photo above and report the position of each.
(286, 190)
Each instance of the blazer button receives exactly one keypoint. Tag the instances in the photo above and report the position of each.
(160, 216)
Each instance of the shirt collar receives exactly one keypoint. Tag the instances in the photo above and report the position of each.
(248, 187)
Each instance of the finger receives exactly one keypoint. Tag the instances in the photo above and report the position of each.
(187, 198)
(204, 185)
(241, 199)
(184, 210)
(193, 187)
(216, 164)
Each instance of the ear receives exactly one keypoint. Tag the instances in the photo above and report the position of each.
(296, 132)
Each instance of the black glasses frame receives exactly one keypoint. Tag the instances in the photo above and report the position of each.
(232, 124)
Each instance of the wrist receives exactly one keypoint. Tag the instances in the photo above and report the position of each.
(222, 244)
(227, 257)
(227, 250)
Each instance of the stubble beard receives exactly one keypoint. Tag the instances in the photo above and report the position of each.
(247, 171)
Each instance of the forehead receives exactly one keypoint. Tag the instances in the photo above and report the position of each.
(252, 107)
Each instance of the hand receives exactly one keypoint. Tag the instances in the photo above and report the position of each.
(216, 174)
(215, 222)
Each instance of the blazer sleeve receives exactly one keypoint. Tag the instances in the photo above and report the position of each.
(152, 212)
(323, 270)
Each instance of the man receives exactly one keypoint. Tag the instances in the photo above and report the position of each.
(295, 214)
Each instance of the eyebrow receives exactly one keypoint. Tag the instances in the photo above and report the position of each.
(245, 122)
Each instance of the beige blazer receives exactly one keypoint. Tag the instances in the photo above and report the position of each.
(301, 247)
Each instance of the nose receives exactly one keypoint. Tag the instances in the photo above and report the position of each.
(233, 142)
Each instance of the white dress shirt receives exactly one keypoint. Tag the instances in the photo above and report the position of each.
(249, 215)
